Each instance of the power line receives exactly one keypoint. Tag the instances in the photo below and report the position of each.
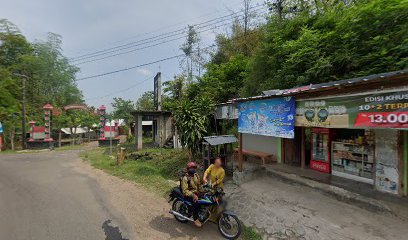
(173, 25)
(92, 59)
(145, 64)
(158, 37)
(134, 67)
(123, 90)
(177, 35)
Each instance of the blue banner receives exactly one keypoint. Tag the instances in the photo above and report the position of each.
(270, 117)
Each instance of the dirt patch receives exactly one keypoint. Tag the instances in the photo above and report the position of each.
(146, 213)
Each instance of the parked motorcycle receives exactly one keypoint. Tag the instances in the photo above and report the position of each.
(211, 208)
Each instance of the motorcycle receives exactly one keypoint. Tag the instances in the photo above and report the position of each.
(211, 208)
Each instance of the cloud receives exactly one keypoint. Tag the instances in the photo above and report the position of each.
(144, 71)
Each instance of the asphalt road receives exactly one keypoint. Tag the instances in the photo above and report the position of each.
(56, 196)
(43, 197)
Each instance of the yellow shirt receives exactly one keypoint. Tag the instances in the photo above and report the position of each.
(216, 174)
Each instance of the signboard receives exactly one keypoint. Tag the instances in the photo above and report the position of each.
(1, 128)
(382, 110)
(271, 117)
(157, 92)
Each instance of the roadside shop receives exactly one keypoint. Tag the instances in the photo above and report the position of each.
(354, 129)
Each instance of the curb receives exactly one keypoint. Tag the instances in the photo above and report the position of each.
(337, 192)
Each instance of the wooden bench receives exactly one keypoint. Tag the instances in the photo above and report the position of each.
(262, 155)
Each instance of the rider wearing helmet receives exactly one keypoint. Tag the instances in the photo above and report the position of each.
(191, 188)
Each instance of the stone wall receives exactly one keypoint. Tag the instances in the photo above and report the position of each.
(386, 156)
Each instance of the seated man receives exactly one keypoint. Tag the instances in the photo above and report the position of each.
(216, 173)
(191, 188)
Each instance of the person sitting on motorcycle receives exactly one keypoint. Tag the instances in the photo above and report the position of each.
(216, 173)
(191, 188)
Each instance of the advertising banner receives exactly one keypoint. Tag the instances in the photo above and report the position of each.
(382, 110)
(271, 117)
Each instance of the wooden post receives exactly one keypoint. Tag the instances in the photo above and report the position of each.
(240, 155)
(302, 149)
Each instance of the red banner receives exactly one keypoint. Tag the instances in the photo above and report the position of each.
(382, 119)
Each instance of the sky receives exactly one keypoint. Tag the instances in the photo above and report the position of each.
(88, 26)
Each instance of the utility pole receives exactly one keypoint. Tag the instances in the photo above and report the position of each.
(23, 110)
(110, 135)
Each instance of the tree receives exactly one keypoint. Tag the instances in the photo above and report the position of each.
(224, 81)
(191, 119)
(51, 79)
(340, 41)
(146, 101)
(122, 109)
(194, 55)
(75, 118)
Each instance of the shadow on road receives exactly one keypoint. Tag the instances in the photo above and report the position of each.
(111, 232)
(168, 225)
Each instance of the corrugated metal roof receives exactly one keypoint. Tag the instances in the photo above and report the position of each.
(218, 140)
(323, 86)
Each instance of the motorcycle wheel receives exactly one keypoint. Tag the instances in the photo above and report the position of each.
(229, 226)
(180, 206)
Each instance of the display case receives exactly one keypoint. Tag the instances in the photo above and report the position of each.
(353, 161)
(320, 149)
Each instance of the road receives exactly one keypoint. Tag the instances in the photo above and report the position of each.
(54, 195)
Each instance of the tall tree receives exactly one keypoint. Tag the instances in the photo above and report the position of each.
(343, 41)
(146, 101)
(122, 109)
(194, 55)
(49, 76)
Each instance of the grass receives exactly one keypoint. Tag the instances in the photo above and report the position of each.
(69, 147)
(8, 151)
(249, 233)
(157, 171)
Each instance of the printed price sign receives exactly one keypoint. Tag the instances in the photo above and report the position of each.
(384, 110)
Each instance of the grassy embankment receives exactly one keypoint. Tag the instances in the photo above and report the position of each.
(155, 169)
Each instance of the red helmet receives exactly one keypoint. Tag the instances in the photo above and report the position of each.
(191, 165)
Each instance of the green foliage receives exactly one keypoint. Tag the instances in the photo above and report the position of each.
(250, 233)
(49, 77)
(158, 174)
(192, 118)
(75, 118)
(122, 109)
(334, 43)
(224, 81)
(146, 101)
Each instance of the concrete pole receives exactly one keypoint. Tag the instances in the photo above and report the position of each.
(139, 132)
(110, 136)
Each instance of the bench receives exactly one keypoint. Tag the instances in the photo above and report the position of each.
(262, 155)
